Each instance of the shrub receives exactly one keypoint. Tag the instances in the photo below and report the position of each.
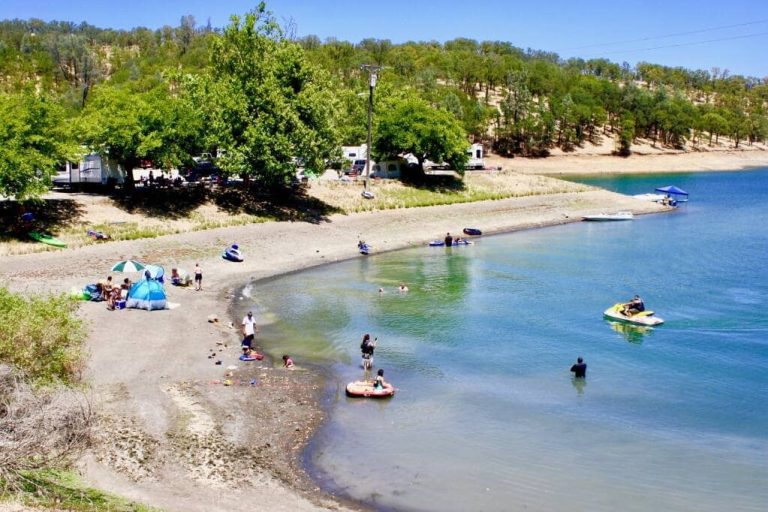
(41, 336)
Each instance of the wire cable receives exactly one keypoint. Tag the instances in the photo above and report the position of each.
(666, 36)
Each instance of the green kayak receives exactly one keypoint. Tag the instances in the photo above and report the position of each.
(46, 239)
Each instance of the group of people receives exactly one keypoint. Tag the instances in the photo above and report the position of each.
(449, 240)
(367, 347)
(402, 288)
(112, 292)
(249, 330)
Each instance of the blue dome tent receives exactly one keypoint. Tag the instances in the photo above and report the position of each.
(146, 294)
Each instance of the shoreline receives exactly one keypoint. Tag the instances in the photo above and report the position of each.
(639, 162)
(161, 403)
(187, 444)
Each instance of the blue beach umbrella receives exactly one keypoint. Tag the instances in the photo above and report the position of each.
(128, 266)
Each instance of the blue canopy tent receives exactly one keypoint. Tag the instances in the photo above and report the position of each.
(146, 294)
(678, 194)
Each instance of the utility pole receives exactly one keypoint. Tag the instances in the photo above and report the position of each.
(373, 76)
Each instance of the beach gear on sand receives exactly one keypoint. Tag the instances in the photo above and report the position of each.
(146, 294)
(128, 266)
(472, 231)
(232, 253)
(47, 239)
(252, 357)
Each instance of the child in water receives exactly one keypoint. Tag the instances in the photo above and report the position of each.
(378, 383)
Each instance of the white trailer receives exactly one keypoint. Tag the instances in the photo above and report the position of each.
(93, 170)
(475, 154)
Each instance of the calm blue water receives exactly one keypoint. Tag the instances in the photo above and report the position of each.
(487, 417)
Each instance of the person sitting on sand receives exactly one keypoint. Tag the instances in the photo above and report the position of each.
(634, 306)
(378, 382)
(175, 277)
(105, 287)
(114, 296)
(125, 287)
(287, 361)
(249, 353)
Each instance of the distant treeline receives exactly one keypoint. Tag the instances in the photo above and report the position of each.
(518, 101)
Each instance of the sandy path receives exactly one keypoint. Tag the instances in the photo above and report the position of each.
(175, 440)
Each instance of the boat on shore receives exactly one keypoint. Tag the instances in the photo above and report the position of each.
(365, 389)
(609, 216)
(646, 318)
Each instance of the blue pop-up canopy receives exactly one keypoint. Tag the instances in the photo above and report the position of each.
(671, 189)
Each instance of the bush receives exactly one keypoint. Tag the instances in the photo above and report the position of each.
(41, 336)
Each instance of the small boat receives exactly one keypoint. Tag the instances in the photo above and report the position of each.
(365, 389)
(609, 216)
(646, 317)
(472, 232)
(232, 254)
(47, 239)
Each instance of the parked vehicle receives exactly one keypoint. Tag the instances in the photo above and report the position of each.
(92, 171)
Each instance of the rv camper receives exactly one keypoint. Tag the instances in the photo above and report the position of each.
(92, 171)
(475, 154)
(389, 169)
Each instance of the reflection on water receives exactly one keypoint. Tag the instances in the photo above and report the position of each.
(631, 333)
(484, 418)
(579, 385)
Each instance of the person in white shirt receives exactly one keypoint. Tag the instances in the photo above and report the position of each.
(249, 329)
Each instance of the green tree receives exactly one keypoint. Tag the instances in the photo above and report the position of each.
(412, 125)
(33, 140)
(131, 126)
(266, 105)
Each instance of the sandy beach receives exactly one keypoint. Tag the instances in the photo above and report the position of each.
(172, 434)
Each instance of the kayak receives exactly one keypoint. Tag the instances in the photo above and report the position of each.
(46, 239)
(646, 317)
(472, 231)
(364, 389)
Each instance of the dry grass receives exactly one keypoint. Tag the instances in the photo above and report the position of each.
(39, 428)
(477, 186)
(99, 213)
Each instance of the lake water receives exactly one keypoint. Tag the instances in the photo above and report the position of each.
(487, 416)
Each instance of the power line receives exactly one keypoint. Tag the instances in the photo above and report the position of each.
(665, 36)
(690, 43)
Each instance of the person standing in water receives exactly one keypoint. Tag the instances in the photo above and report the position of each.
(579, 369)
(448, 240)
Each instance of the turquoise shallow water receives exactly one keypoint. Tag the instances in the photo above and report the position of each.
(487, 417)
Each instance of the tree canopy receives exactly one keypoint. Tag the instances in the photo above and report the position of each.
(269, 102)
(33, 140)
(266, 107)
(411, 125)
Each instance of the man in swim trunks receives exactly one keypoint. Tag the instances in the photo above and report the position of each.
(448, 240)
(198, 277)
(579, 369)
(249, 329)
